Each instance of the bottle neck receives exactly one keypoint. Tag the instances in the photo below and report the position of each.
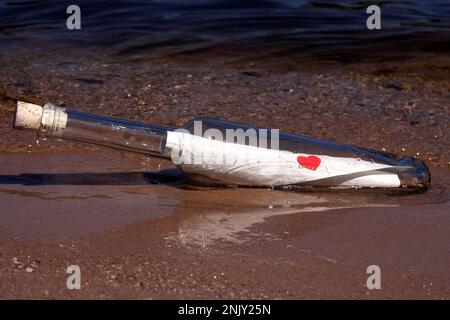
(128, 135)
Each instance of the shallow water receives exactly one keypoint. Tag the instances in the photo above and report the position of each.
(327, 30)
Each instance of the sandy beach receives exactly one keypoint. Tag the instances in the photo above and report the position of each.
(136, 230)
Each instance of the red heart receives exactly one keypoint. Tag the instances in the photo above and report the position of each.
(309, 162)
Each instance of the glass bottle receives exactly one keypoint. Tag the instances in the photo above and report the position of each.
(216, 152)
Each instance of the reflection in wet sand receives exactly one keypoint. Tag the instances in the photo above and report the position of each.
(229, 219)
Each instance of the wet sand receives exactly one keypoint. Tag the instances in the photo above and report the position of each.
(137, 231)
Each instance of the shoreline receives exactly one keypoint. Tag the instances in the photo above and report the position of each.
(136, 239)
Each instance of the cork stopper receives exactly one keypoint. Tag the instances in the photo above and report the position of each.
(28, 116)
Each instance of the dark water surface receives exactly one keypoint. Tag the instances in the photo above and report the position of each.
(283, 28)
